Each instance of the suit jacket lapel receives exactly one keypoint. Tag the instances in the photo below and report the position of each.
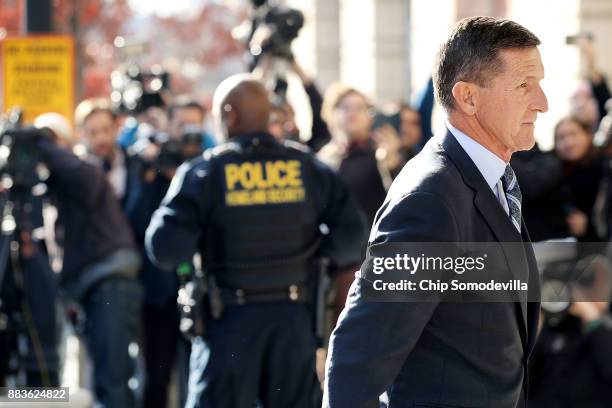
(494, 214)
(533, 307)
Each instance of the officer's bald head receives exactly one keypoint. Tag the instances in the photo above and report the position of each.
(241, 105)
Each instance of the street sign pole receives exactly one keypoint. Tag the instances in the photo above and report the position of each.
(38, 16)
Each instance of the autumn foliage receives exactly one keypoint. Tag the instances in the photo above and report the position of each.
(195, 49)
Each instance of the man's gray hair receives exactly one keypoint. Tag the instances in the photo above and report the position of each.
(471, 53)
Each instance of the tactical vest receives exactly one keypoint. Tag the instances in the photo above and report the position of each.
(264, 224)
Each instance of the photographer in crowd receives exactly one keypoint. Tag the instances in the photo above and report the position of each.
(187, 114)
(29, 334)
(142, 95)
(282, 123)
(100, 266)
(364, 158)
(164, 347)
(160, 134)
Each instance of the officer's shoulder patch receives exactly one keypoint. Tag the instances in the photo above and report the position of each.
(222, 150)
(293, 145)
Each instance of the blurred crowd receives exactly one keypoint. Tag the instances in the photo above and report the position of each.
(110, 172)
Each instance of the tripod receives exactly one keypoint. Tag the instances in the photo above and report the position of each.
(20, 336)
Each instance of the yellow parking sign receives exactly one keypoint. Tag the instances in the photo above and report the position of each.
(38, 75)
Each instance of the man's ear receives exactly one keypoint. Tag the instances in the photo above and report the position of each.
(465, 97)
(230, 119)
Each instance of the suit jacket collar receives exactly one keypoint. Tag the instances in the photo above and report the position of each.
(487, 204)
(490, 166)
(485, 199)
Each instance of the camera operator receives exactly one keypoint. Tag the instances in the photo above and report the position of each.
(571, 365)
(28, 314)
(271, 31)
(186, 112)
(143, 95)
(162, 341)
(365, 158)
(412, 123)
(283, 126)
(100, 266)
(159, 155)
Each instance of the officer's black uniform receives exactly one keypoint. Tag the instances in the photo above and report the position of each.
(254, 207)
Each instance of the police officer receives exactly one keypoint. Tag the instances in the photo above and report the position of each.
(254, 208)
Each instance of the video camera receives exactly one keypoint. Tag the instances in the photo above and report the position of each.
(19, 174)
(270, 33)
(172, 152)
(381, 119)
(273, 29)
(135, 90)
(19, 155)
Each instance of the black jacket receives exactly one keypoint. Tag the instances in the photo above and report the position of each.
(359, 170)
(198, 212)
(437, 354)
(92, 221)
(601, 92)
(319, 133)
(160, 285)
(582, 182)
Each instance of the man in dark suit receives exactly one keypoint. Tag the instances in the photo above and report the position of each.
(459, 189)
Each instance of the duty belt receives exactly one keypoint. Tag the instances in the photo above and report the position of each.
(293, 293)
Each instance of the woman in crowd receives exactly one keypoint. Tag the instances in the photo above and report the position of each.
(365, 158)
(410, 132)
(583, 176)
